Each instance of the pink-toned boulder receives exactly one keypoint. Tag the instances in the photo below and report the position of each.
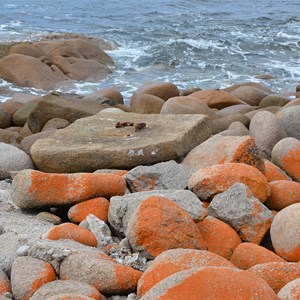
(284, 232)
(283, 193)
(247, 255)
(224, 149)
(212, 180)
(291, 291)
(249, 84)
(172, 261)
(273, 172)
(277, 274)
(147, 104)
(234, 109)
(250, 95)
(217, 98)
(105, 274)
(109, 93)
(28, 274)
(159, 224)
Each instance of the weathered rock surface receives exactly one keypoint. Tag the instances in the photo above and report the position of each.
(273, 172)
(122, 208)
(5, 118)
(250, 95)
(274, 100)
(291, 291)
(162, 176)
(241, 210)
(95, 143)
(289, 118)
(146, 104)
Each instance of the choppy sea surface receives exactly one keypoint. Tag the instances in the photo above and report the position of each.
(197, 43)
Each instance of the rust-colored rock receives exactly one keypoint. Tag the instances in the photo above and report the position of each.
(283, 193)
(277, 274)
(147, 104)
(73, 232)
(172, 261)
(4, 283)
(247, 255)
(273, 172)
(97, 206)
(210, 181)
(250, 95)
(219, 237)
(159, 224)
(211, 283)
(34, 189)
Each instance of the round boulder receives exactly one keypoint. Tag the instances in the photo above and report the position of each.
(289, 117)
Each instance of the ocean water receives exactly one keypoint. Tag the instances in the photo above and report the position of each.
(197, 43)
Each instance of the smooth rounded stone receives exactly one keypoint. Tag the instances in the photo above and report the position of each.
(219, 237)
(97, 206)
(284, 233)
(250, 95)
(34, 189)
(95, 143)
(73, 232)
(54, 106)
(100, 271)
(71, 296)
(291, 291)
(271, 109)
(211, 283)
(293, 102)
(13, 159)
(289, 118)
(163, 90)
(234, 109)
(249, 84)
(286, 155)
(49, 217)
(5, 118)
(283, 193)
(55, 251)
(186, 105)
(266, 130)
(176, 260)
(25, 132)
(224, 149)
(216, 98)
(55, 123)
(273, 172)
(8, 136)
(146, 104)
(28, 274)
(247, 255)
(20, 117)
(121, 208)
(277, 274)
(162, 176)
(239, 128)
(23, 250)
(29, 140)
(109, 93)
(112, 171)
(58, 287)
(99, 228)
(223, 123)
(265, 76)
(114, 110)
(212, 180)
(159, 224)
(242, 211)
(188, 91)
(4, 283)
(274, 100)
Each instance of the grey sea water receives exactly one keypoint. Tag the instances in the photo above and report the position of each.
(204, 43)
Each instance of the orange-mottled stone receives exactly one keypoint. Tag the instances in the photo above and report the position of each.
(4, 283)
(219, 237)
(210, 181)
(72, 231)
(176, 260)
(211, 283)
(291, 291)
(159, 224)
(97, 206)
(273, 172)
(283, 193)
(277, 274)
(34, 189)
(247, 255)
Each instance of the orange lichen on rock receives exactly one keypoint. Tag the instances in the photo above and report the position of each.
(211, 283)
(97, 206)
(4, 283)
(71, 231)
(219, 237)
(247, 255)
(277, 274)
(176, 260)
(210, 181)
(159, 224)
(34, 189)
(283, 193)
(273, 172)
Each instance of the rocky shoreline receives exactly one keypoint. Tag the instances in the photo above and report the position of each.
(190, 194)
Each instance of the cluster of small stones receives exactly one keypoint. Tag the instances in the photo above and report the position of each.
(220, 216)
